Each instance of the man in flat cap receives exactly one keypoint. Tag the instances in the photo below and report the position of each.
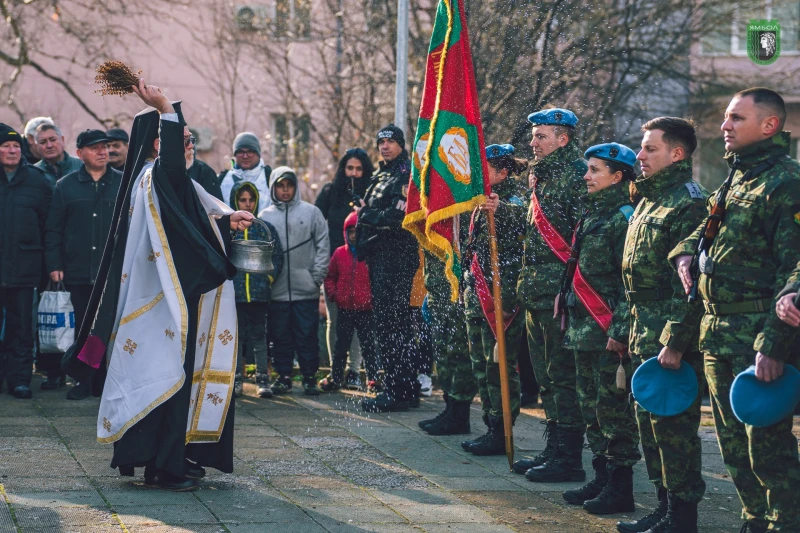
(77, 226)
(117, 148)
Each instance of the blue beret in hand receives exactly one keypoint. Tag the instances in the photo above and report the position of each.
(763, 404)
(663, 391)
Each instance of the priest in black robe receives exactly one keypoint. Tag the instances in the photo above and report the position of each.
(158, 439)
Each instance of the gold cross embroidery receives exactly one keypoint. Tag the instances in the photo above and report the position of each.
(202, 340)
(130, 346)
(124, 277)
(214, 398)
(106, 424)
(130, 212)
(154, 256)
(225, 337)
(169, 333)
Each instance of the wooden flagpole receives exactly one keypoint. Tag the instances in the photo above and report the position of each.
(501, 342)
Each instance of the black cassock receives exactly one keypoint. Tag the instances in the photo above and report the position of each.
(201, 264)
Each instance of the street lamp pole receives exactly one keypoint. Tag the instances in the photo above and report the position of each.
(401, 81)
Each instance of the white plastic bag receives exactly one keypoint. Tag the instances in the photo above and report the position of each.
(56, 320)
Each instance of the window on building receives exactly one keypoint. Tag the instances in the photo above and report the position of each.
(291, 140)
(293, 19)
(728, 26)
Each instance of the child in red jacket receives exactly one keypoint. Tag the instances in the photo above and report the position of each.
(347, 284)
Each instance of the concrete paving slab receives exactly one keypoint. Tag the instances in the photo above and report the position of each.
(272, 511)
(305, 526)
(35, 517)
(186, 528)
(426, 513)
(141, 496)
(72, 498)
(189, 513)
(311, 497)
(348, 514)
(467, 528)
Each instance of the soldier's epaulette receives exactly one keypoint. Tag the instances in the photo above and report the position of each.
(694, 190)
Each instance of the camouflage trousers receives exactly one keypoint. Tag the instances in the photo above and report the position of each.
(554, 367)
(762, 462)
(671, 446)
(451, 349)
(487, 372)
(610, 424)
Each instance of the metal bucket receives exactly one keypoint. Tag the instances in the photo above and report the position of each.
(254, 257)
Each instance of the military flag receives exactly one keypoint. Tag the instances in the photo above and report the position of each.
(449, 164)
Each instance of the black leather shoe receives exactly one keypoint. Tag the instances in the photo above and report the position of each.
(174, 483)
(80, 391)
(22, 392)
(54, 383)
(383, 403)
(194, 471)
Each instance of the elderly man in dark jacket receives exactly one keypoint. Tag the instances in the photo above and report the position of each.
(77, 227)
(25, 195)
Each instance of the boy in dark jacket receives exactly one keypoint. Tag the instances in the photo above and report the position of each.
(253, 294)
(347, 284)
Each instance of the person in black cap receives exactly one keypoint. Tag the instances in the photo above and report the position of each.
(117, 148)
(77, 225)
(25, 196)
(392, 256)
(145, 418)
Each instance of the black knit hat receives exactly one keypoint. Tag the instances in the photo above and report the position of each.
(392, 132)
(7, 133)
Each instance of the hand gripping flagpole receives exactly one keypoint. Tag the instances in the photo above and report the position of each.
(501, 342)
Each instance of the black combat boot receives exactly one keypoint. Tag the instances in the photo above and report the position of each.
(551, 438)
(617, 495)
(467, 443)
(565, 464)
(681, 517)
(447, 402)
(647, 521)
(495, 443)
(594, 487)
(456, 422)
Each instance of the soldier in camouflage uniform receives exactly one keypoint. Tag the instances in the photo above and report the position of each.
(451, 353)
(672, 207)
(557, 175)
(742, 273)
(601, 349)
(507, 202)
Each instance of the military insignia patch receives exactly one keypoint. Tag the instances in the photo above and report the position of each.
(797, 218)
(558, 115)
(405, 191)
(694, 190)
(613, 152)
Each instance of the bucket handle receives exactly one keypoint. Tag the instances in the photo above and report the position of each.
(270, 237)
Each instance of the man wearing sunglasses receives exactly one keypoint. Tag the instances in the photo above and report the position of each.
(199, 171)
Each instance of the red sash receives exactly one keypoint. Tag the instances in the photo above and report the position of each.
(592, 301)
(485, 296)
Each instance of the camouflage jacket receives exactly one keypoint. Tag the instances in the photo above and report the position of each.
(509, 222)
(601, 239)
(672, 207)
(561, 193)
(754, 254)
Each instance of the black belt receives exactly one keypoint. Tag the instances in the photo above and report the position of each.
(646, 295)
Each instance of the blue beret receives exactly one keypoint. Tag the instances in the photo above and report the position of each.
(612, 152)
(763, 404)
(553, 117)
(499, 150)
(663, 391)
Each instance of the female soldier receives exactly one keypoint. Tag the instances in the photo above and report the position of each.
(597, 330)
(506, 201)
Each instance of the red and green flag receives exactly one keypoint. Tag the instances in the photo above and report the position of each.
(449, 162)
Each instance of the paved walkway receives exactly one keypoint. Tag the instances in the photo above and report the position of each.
(303, 465)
